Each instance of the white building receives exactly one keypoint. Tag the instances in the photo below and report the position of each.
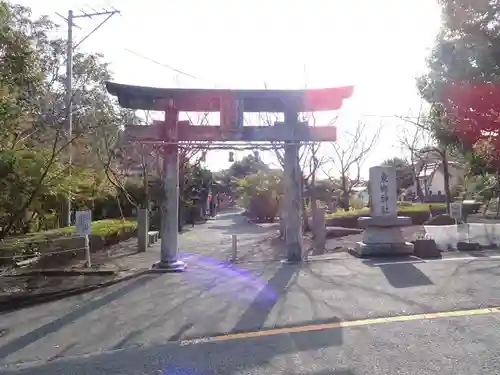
(431, 177)
(361, 192)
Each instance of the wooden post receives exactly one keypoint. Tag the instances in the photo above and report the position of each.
(142, 229)
(292, 198)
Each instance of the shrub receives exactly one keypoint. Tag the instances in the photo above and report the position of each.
(418, 212)
(263, 207)
(471, 207)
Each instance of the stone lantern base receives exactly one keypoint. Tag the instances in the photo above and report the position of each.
(383, 237)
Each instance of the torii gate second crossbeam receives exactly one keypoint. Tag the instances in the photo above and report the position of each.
(231, 104)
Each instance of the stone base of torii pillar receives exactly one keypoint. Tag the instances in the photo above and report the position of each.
(383, 235)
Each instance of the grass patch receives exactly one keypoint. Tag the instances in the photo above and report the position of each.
(415, 207)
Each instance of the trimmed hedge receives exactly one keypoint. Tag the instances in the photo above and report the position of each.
(419, 214)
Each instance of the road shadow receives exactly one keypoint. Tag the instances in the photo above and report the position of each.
(238, 224)
(143, 325)
(276, 287)
(492, 270)
(402, 275)
(240, 228)
(225, 357)
(79, 312)
(327, 372)
(254, 318)
(369, 289)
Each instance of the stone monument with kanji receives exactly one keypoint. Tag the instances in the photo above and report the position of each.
(383, 235)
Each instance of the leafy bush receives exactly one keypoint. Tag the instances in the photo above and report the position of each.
(266, 184)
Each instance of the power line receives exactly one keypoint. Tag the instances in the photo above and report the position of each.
(162, 64)
(400, 117)
(189, 75)
(169, 67)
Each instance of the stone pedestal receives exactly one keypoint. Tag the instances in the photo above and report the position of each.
(383, 237)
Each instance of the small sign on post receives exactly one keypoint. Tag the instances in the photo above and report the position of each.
(462, 229)
(83, 221)
(456, 211)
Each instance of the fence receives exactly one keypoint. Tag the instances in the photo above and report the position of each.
(44, 252)
(448, 236)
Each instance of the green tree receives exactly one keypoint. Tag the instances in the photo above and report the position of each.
(466, 51)
(246, 166)
(33, 159)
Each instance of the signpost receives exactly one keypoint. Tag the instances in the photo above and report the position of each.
(456, 211)
(462, 229)
(83, 221)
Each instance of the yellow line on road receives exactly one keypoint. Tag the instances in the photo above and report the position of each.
(353, 323)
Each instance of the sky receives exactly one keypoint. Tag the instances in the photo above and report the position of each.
(377, 46)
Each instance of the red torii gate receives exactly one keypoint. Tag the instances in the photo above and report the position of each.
(231, 104)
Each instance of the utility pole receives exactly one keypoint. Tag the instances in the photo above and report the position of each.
(69, 79)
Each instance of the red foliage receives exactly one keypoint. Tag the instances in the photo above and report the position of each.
(474, 111)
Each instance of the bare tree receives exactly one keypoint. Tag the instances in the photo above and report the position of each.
(432, 146)
(349, 156)
(414, 140)
(310, 162)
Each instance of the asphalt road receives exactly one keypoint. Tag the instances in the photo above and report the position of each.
(454, 346)
(343, 316)
(213, 239)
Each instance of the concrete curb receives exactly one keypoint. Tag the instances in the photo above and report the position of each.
(20, 302)
(56, 272)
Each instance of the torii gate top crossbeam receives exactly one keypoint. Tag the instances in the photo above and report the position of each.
(209, 100)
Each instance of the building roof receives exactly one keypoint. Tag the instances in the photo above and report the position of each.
(200, 100)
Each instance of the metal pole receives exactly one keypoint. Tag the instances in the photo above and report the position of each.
(169, 261)
(69, 104)
(88, 262)
(234, 248)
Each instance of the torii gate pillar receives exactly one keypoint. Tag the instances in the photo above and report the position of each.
(293, 193)
(169, 259)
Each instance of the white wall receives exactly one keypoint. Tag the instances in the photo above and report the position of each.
(436, 182)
